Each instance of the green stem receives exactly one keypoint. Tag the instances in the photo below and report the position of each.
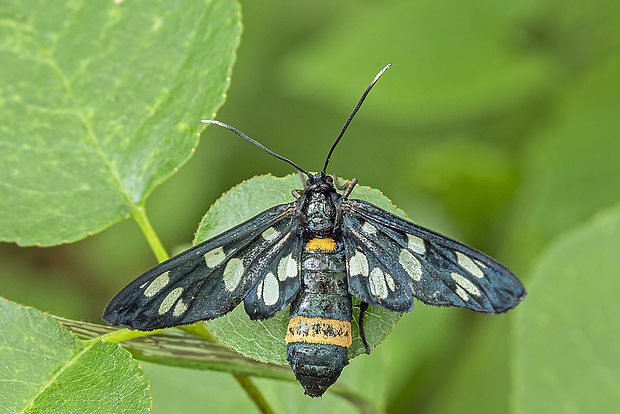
(198, 329)
(253, 393)
(139, 214)
(125, 334)
(362, 405)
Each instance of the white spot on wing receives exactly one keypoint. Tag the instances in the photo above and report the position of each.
(469, 265)
(232, 274)
(479, 263)
(465, 284)
(287, 267)
(270, 234)
(411, 265)
(169, 300)
(462, 293)
(416, 244)
(179, 308)
(271, 289)
(390, 282)
(377, 283)
(369, 228)
(358, 265)
(158, 284)
(259, 290)
(214, 257)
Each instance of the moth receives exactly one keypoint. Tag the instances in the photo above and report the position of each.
(315, 254)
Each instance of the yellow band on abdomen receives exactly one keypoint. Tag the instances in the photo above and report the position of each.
(319, 331)
(327, 244)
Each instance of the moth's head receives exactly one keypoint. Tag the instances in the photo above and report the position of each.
(320, 182)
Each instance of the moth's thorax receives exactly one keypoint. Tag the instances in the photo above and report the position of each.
(319, 213)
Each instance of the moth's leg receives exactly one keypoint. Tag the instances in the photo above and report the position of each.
(298, 193)
(348, 187)
(337, 183)
(363, 308)
(301, 177)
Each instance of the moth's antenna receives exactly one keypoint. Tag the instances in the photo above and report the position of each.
(258, 144)
(357, 107)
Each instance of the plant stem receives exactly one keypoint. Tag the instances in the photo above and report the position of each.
(125, 334)
(253, 393)
(362, 405)
(198, 329)
(139, 214)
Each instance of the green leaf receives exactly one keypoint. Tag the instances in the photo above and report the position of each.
(264, 340)
(100, 102)
(567, 332)
(45, 369)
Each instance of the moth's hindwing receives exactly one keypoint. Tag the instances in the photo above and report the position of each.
(434, 268)
(373, 275)
(209, 279)
(281, 279)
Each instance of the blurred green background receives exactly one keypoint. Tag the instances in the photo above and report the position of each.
(497, 125)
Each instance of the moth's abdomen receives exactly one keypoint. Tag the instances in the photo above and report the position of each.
(319, 331)
(316, 366)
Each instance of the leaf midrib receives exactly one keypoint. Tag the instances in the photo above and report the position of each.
(69, 363)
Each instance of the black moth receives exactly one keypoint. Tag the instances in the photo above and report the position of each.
(315, 254)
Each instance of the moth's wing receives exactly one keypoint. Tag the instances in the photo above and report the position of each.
(373, 275)
(205, 281)
(439, 270)
(281, 278)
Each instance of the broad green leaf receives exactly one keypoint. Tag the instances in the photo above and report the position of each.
(100, 102)
(567, 357)
(451, 60)
(264, 340)
(45, 369)
(570, 169)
